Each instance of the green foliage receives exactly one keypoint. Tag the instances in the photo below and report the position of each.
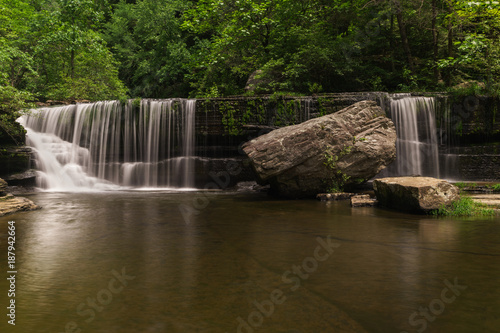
(152, 51)
(464, 207)
(338, 179)
(12, 104)
(86, 49)
(495, 187)
(462, 185)
(231, 124)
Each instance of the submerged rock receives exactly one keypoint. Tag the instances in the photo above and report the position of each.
(334, 196)
(357, 143)
(414, 194)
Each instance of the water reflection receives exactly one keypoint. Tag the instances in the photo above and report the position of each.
(214, 273)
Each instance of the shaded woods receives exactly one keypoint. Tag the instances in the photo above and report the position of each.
(108, 49)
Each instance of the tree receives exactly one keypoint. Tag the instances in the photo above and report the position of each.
(474, 51)
(71, 57)
(152, 50)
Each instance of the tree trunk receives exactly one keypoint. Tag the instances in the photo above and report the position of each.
(392, 44)
(450, 48)
(72, 65)
(404, 38)
(437, 74)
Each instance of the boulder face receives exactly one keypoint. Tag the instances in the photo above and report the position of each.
(298, 161)
(414, 194)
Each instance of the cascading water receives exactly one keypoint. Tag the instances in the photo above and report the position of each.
(106, 145)
(417, 150)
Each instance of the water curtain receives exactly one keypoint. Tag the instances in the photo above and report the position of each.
(107, 144)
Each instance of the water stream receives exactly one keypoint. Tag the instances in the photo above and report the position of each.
(417, 150)
(106, 146)
(223, 264)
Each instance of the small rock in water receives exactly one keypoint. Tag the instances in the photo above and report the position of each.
(334, 196)
(363, 200)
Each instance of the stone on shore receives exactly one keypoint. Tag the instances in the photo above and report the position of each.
(10, 204)
(360, 140)
(414, 194)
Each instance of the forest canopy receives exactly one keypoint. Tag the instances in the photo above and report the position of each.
(109, 49)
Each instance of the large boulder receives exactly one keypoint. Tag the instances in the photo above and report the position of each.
(347, 147)
(414, 194)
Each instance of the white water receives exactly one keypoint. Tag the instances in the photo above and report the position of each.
(105, 146)
(417, 144)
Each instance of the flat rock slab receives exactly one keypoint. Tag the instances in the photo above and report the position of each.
(414, 194)
(363, 200)
(334, 196)
(491, 200)
(10, 204)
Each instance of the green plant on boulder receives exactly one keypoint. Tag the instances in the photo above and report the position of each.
(338, 179)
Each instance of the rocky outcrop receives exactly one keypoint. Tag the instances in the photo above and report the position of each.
(414, 194)
(3, 187)
(26, 179)
(351, 146)
(14, 159)
(10, 204)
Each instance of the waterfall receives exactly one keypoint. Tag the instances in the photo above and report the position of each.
(107, 145)
(417, 143)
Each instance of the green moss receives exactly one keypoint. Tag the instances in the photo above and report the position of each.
(464, 207)
(321, 106)
(231, 125)
(495, 187)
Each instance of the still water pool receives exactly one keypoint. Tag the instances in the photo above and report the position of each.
(233, 262)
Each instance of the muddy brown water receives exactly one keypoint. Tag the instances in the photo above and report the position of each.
(231, 262)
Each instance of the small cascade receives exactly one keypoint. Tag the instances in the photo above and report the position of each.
(417, 150)
(106, 145)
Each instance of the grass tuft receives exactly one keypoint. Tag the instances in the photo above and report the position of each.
(465, 206)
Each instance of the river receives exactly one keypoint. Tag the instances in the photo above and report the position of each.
(155, 261)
